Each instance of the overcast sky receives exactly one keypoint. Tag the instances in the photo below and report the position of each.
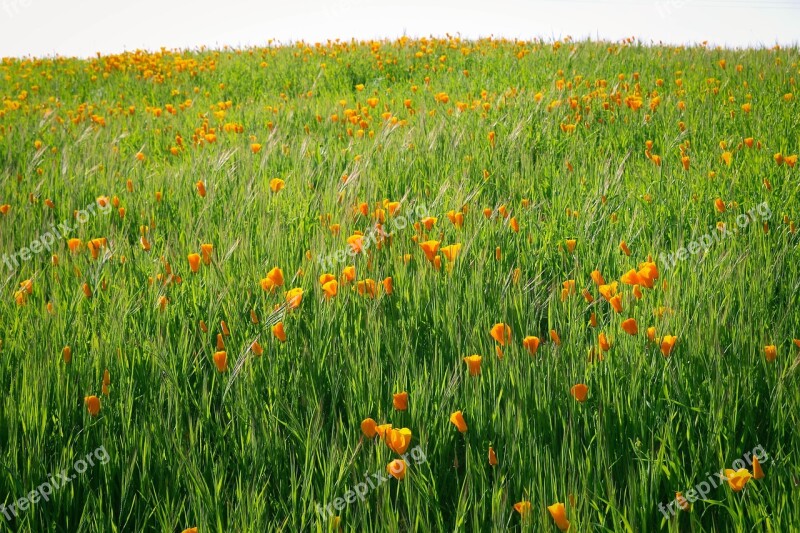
(83, 27)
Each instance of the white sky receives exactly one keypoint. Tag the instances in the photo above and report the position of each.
(83, 27)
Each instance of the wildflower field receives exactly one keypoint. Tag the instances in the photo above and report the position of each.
(411, 285)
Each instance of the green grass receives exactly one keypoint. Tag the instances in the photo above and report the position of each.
(258, 450)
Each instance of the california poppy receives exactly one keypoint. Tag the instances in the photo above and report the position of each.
(473, 364)
(737, 479)
(458, 421)
(398, 440)
(221, 360)
(67, 354)
(201, 188)
(451, 252)
(667, 344)
(388, 285)
(430, 248)
(579, 392)
(279, 332)
(276, 184)
(571, 243)
(629, 326)
(492, 457)
(397, 469)
(531, 344)
(256, 349)
(559, 514)
(501, 333)
(368, 428)
(74, 245)
(605, 345)
(771, 352)
(597, 277)
(523, 507)
(348, 274)
(758, 473)
(631, 277)
(92, 404)
(330, 288)
(194, 262)
(294, 297)
(616, 303)
(554, 337)
(400, 401)
(207, 250)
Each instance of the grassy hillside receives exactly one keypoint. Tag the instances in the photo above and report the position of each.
(377, 212)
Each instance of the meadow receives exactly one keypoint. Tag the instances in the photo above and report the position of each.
(409, 285)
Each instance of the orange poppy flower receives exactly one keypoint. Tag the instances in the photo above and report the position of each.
(207, 250)
(382, 430)
(74, 245)
(400, 401)
(257, 349)
(430, 248)
(388, 286)
(325, 278)
(651, 334)
(473, 364)
(631, 277)
(501, 333)
(608, 291)
(624, 247)
(220, 342)
(758, 473)
(737, 479)
(203, 326)
(492, 457)
(771, 352)
(523, 507)
(87, 291)
(428, 222)
(294, 297)
(356, 243)
(276, 184)
(719, 205)
(201, 188)
(559, 514)
(194, 262)
(66, 353)
(571, 243)
(616, 303)
(579, 392)
(368, 428)
(457, 218)
(597, 277)
(605, 345)
(221, 360)
(348, 273)
(667, 344)
(554, 337)
(398, 440)
(451, 252)
(330, 288)
(630, 327)
(397, 469)
(367, 287)
(4, 209)
(458, 421)
(279, 332)
(531, 344)
(92, 404)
